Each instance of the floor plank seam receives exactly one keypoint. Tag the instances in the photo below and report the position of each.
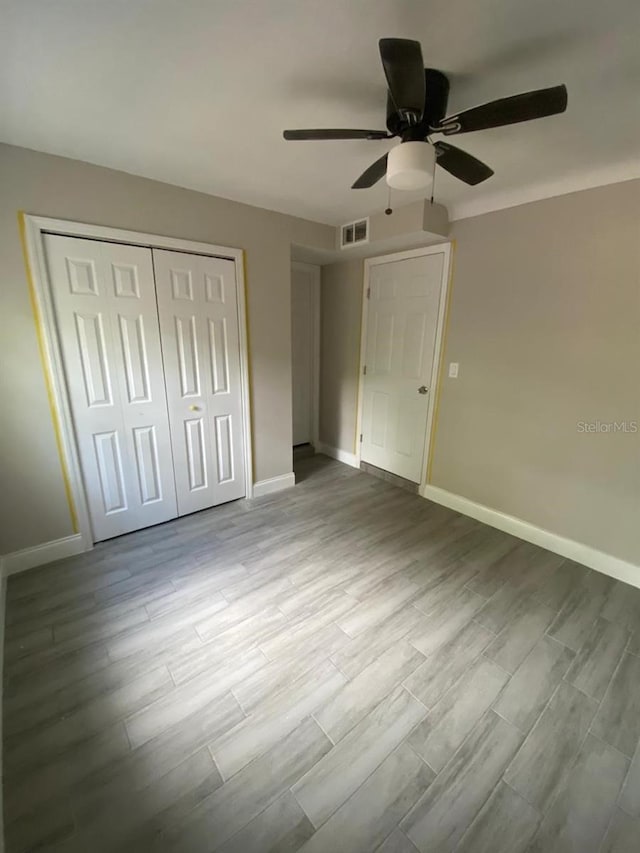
(530, 732)
(502, 717)
(413, 696)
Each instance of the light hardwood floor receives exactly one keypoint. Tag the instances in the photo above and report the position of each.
(339, 667)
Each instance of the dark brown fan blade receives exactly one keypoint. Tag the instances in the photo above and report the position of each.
(334, 133)
(460, 164)
(525, 107)
(371, 175)
(404, 69)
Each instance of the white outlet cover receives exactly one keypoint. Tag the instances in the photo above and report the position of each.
(453, 370)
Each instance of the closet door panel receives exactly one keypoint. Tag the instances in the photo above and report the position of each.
(200, 344)
(105, 306)
(141, 379)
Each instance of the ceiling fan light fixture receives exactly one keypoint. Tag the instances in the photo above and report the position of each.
(410, 166)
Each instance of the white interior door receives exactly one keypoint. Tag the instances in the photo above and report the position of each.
(303, 285)
(201, 350)
(400, 350)
(105, 306)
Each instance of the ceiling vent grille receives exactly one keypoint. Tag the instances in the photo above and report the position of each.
(354, 233)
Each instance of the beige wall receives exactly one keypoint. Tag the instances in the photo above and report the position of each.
(33, 508)
(340, 312)
(545, 323)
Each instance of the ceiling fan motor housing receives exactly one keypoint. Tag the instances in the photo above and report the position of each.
(435, 108)
(410, 166)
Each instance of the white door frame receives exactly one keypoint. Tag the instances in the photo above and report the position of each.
(34, 227)
(315, 390)
(437, 249)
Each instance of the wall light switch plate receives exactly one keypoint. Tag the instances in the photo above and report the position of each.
(453, 370)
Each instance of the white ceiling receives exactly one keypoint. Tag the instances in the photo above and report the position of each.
(198, 93)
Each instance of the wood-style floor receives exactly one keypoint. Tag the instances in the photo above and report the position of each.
(339, 667)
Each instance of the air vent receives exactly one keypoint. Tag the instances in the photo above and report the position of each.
(354, 233)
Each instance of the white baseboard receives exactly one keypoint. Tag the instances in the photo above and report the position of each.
(337, 453)
(273, 484)
(579, 552)
(29, 558)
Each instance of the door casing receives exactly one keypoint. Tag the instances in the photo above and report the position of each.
(436, 374)
(33, 230)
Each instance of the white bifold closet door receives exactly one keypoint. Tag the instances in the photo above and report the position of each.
(105, 304)
(199, 328)
(152, 364)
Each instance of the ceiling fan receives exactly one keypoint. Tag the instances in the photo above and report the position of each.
(416, 106)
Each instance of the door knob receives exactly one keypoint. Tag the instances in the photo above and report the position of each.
(423, 389)
(194, 408)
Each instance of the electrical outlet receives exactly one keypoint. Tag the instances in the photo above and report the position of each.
(453, 370)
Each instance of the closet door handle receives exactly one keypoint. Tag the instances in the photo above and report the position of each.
(194, 408)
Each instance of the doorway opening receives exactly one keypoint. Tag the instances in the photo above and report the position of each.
(305, 357)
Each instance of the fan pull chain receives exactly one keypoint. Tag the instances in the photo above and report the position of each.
(433, 185)
(389, 209)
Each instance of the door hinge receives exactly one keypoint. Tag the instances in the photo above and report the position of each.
(364, 370)
(360, 438)
(368, 293)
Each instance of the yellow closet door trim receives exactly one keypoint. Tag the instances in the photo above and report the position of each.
(55, 417)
